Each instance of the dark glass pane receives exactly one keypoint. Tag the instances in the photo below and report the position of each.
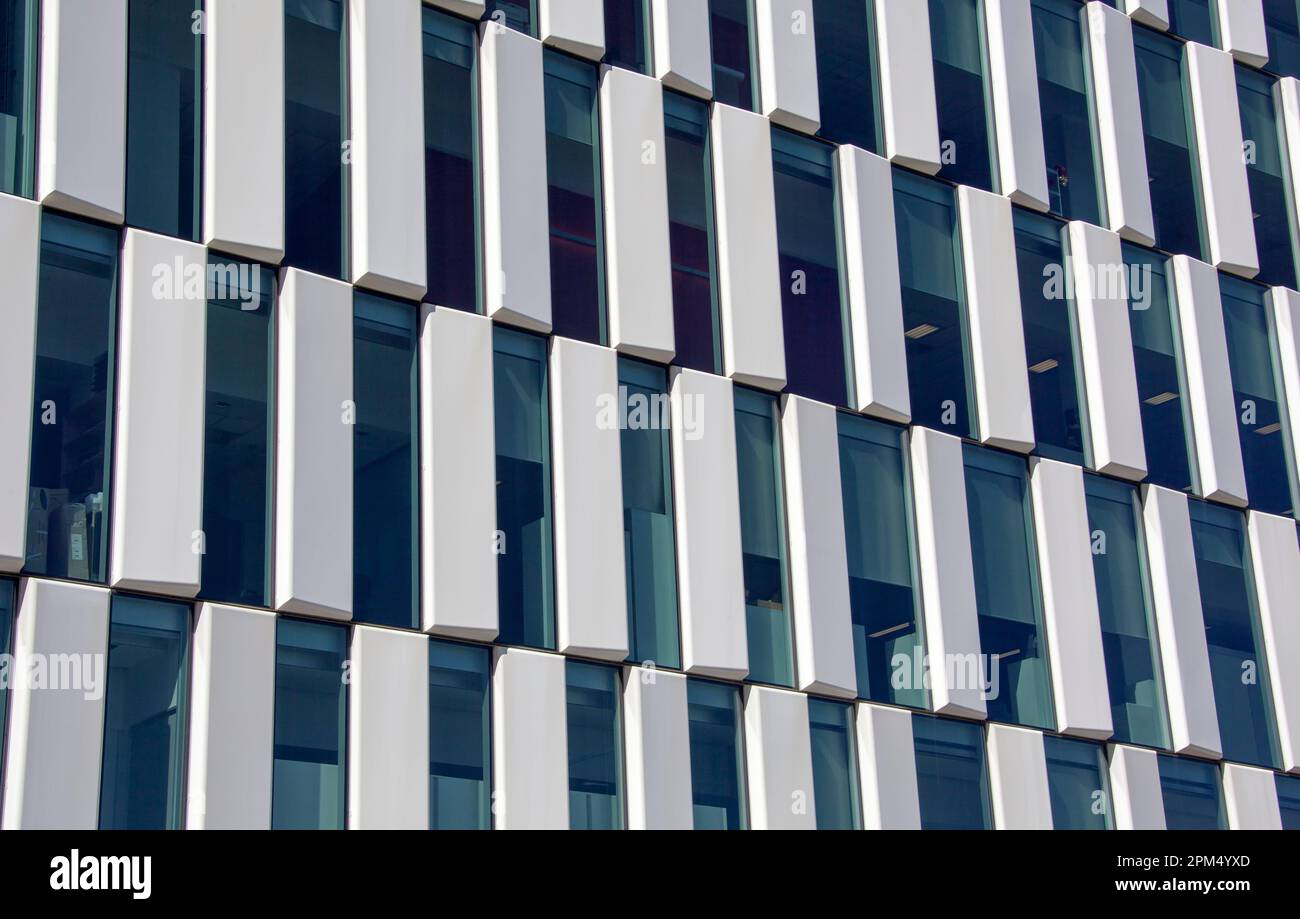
(164, 117)
(717, 756)
(835, 767)
(460, 737)
(957, 40)
(846, 72)
(1282, 22)
(7, 597)
(1270, 194)
(1193, 20)
(950, 778)
(733, 69)
(517, 14)
(627, 42)
(595, 747)
(142, 786)
(1288, 799)
(450, 177)
(1076, 783)
(237, 459)
(17, 96)
(72, 416)
(385, 486)
(1191, 794)
(315, 79)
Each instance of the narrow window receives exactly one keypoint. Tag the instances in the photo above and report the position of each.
(835, 765)
(595, 746)
(525, 574)
(460, 737)
(1282, 23)
(309, 779)
(762, 537)
(882, 569)
(7, 596)
(18, 28)
(1193, 20)
(847, 72)
(951, 780)
(733, 53)
(1076, 784)
(1192, 795)
(72, 418)
(520, 15)
(627, 36)
(385, 470)
(1270, 191)
(142, 786)
(717, 756)
(967, 147)
(237, 435)
(1288, 799)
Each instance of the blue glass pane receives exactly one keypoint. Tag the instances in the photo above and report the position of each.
(627, 40)
(164, 117)
(385, 463)
(1282, 22)
(1076, 783)
(1006, 588)
(309, 779)
(1238, 670)
(573, 181)
(1288, 799)
(315, 82)
(1157, 358)
(950, 778)
(957, 40)
(18, 20)
(835, 766)
(450, 176)
(1192, 798)
(1193, 20)
(847, 72)
(887, 642)
(1127, 623)
(520, 15)
(762, 538)
(1270, 194)
(6, 630)
(595, 747)
(733, 52)
(460, 737)
(142, 786)
(525, 579)
(717, 756)
(648, 543)
(237, 459)
(690, 229)
(934, 304)
(72, 414)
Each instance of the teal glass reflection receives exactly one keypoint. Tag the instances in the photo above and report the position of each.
(520, 15)
(525, 572)
(762, 538)
(961, 89)
(385, 463)
(7, 598)
(835, 765)
(649, 546)
(595, 736)
(951, 780)
(1270, 190)
(1288, 800)
(883, 599)
(1192, 795)
(847, 73)
(627, 34)
(72, 413)
(1282, 24)
(1193, 20)
(1232, 633)
(1006, 588)
(18, 43)
(1128, 631)
(1076, 784)
(717, 756)
(732, 40)
(142, 784)
(309, 778)
(460, 737)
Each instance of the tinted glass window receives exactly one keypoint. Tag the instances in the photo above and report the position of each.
(595, 747)
(18, 19)
(733, 53)
(627, 42)
(1076, 783)
(460, 737)
(835, 766)
(951, 781)
(965, 135)
(1192, 797)
(717, 756)
(1269, 187)
(846, 72)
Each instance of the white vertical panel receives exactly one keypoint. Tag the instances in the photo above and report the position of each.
(749, 273)
(1242, 30)
(516, 221)
(887, 768)
(683, 57)
(778, 759)
(1283, 307)
(55, 749)
(575, 26)
(20, 233)
(1101, 305)
(1275, 554)
(908, 109)
(787, 63)
(232, 719)
(1152, 13)
(1137, 801)
(1013, 80)
(313, 470)
(1222, 475)
(158, 449)
(997, 331)
(1180, 625)
(638, 256)
(473, 9)
(819, 584)
(1018, 779)
(658, 747)
(530, 745)
(1119, 124)
(943, 552)
(590, 572)
(388, 730)
(706, 500)
(1250, 795)
(1070, 610)
(386, 121)
(866, 188)
(81, 144)
(1225, 193)
(458, 493)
